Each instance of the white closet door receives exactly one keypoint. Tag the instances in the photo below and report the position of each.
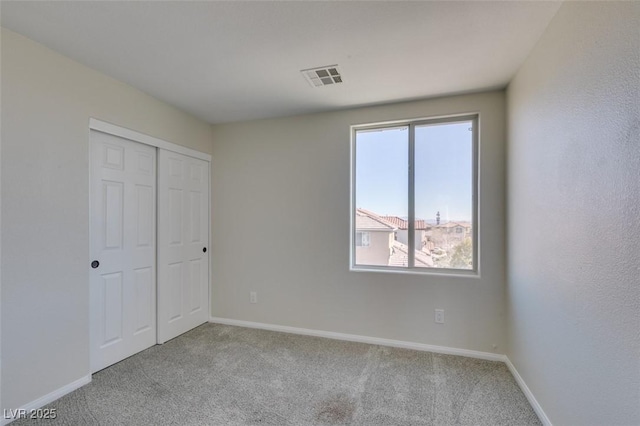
(183, 235)
(123, 248)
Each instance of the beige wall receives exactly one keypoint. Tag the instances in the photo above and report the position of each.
(378, 251)
(289, 178)
(574, 205)
(47, 100)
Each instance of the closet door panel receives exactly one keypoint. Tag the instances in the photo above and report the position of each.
(183, 235)
(123, 248)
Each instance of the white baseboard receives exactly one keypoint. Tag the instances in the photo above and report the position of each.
(361, 339)
(527, 392)
(50, 397)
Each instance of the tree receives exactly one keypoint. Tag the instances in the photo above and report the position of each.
(462, 256)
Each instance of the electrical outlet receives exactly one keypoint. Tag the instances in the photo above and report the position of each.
(253, 297)
(439, 316)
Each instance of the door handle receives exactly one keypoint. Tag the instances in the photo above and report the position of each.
(204, 250)
(95, 264)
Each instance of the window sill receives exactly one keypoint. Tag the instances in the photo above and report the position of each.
(438, 272)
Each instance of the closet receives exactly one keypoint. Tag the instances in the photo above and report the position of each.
(149, 234)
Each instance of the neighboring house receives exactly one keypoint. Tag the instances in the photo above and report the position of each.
(447, 236)
(378, 240)
(402, 234)
(374, 239)
(459, 228)
(383, 240)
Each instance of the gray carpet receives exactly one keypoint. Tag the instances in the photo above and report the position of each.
(223, 375)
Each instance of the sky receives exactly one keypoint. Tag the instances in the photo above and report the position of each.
(443, 176)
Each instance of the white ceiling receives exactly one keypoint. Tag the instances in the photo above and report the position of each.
(232, 61)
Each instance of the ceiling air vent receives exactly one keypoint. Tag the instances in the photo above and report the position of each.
(322, 76)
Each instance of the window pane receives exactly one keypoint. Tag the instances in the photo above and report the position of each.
(444, 195)
(381, 185)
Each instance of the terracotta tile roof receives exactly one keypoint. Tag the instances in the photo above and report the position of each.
(367, 220)
(400, 256)
(401, 223)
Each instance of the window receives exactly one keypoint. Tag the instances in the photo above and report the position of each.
(414, 196)
(362, 239)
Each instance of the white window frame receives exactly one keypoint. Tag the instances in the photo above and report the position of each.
(475, 233)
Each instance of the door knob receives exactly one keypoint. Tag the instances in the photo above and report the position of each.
(204, 250)
(95, 264)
